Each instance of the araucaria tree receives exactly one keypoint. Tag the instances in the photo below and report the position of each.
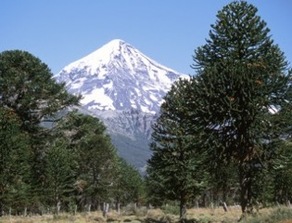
(72, 162)
(30, 94)
(94, 157)
(28, 88)
(175, 170)
(14, 166)
(242, 92)
(233, 112)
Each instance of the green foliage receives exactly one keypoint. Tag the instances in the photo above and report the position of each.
(170, 208)
(27, 87)
(128, 184)
(14, 166)
(175, 171)
(226, 128)
(241, 93)
(94, 156)
(29, 91)
(59, 173)
(233, 115)
(74, 162)
(282, 174)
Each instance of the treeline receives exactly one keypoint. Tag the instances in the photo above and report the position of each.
(224, 135)
(70, 165)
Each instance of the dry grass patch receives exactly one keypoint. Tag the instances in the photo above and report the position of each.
(157, 215)
(196, 215)
(214, 214)
(218, 215)
(61, 218)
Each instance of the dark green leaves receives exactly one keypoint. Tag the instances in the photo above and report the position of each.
(175, 170)
(234, 112)
(243, 92)
(14, 161)
(27, 87)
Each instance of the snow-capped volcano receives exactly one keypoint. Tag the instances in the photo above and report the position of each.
(124, 88)
(118, 77)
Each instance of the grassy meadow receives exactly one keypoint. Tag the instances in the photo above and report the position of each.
(196, 215)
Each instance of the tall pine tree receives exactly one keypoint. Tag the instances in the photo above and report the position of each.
(94, 156)
(14, 163)
(27, 88)
(175, 170)
(59, 174)
(242, 88)
(128, 184)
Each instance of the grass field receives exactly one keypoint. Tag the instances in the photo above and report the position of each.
(198, 215)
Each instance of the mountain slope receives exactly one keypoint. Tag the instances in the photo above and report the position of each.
(124, 88)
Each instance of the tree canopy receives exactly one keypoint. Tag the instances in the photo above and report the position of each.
(73, 162)
(235, 107)
(27, 87)
(244, 87)
(175, 169)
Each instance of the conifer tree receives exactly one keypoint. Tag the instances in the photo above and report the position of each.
(94, 156)
(175, 170)
(282, 175)
(59, 174)
(242, 89)
(128, 184)
(27, 88)
(14, 165)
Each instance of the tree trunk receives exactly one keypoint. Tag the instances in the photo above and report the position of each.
(25, 212)
(89, 208)
(204, 200)
(98, 205)
(58, 207)
(105, 209)
(183, 208)
(1, 209)
(288, 203)
(197, 204)
(118, 206)
(75, 209)
(224, 205)
(245, 189)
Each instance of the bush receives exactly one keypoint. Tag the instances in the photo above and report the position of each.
(281, 214)
(276, 216)
(170, 209)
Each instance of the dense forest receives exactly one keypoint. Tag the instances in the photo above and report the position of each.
(222, 137)
(51, 156)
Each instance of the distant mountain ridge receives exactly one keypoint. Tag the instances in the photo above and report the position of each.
(124, 88)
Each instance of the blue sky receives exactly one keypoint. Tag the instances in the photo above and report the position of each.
(168, 31)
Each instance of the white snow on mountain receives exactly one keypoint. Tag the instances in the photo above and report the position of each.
(118, 77)
(124, 88)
